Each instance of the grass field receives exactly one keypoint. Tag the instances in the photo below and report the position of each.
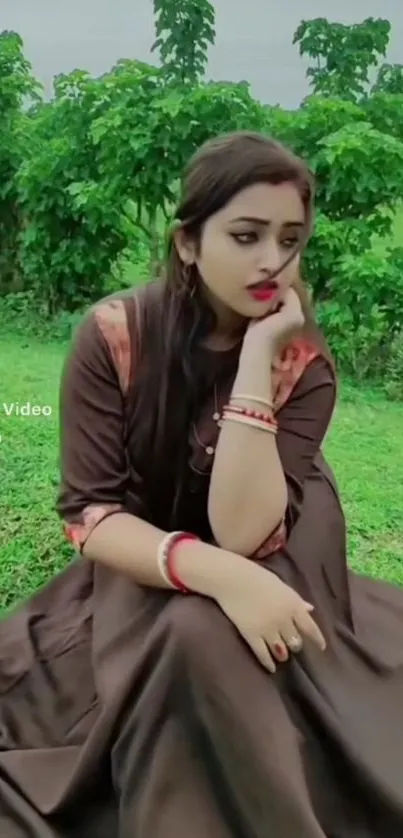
(364, 447)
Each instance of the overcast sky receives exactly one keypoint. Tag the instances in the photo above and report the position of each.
(254, 37)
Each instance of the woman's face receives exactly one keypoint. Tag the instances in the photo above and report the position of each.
(244, 245)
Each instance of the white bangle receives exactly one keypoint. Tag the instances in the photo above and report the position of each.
(244, 397)
(163, 555)
(253, 423)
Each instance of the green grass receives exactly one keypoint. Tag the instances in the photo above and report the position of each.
(30, 535)
(364, 447)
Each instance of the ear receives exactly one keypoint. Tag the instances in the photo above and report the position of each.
(184, 246)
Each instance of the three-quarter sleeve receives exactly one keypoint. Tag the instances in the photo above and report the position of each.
(94, 469)
(303, 422)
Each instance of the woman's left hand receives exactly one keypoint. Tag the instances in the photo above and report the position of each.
(280, 325)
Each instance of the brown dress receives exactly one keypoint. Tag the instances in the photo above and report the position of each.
(133, 713)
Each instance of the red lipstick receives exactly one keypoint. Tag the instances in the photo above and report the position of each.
(262, 291)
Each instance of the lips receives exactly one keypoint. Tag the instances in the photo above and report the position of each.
(266, 284)
(263, 290)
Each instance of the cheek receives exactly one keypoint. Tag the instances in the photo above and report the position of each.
(291, 273)
(218, 262)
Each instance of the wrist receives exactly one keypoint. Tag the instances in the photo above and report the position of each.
(258, 344)
(256, 360)
(254, 374)
(205, 569)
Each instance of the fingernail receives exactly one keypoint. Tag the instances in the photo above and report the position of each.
(280, 651)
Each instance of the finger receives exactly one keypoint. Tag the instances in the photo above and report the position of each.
(292, 638)
(261, 651)
(309, 606)
(278, 649)
(308, 627)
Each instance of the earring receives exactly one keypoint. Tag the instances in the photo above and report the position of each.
(188, 280)
(186, 270)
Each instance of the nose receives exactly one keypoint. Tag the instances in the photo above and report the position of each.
(270, 257)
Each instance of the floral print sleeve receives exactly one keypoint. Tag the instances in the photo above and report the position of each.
(78, 531)
(94, 471)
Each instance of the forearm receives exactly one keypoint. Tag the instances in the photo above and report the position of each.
(130, 545)
(248, 491)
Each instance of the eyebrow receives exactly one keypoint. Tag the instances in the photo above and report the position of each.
(265, 222)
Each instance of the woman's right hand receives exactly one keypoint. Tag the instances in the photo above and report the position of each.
(270, 616)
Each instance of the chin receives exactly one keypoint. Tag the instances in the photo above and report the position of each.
(257, 309)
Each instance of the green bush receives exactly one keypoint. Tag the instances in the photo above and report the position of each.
(22, 316)
(393, 383)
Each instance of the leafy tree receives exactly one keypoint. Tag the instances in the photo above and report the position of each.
(343, 55)
(389, 79)
(106, 152)
(319, 117)
(356, 198)
(385, 112)
(185, 29)
(353, 181)
(17, 87)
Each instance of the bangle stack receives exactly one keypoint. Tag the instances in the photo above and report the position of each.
(165, 559)
(264, 421)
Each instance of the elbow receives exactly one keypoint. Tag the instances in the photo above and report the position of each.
(225, 535)
(238, 543)
(244, 533)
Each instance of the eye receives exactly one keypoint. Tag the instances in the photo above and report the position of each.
(290, 243)
(245, 238)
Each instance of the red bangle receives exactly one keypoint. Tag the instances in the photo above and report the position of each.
(173, 577)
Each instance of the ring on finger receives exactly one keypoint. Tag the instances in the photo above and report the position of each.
(294, 643)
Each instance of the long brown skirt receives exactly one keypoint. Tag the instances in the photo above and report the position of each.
(127, 713)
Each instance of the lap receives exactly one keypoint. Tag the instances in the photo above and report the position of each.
(47, 690)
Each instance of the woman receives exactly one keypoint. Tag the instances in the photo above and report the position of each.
(208, 666)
